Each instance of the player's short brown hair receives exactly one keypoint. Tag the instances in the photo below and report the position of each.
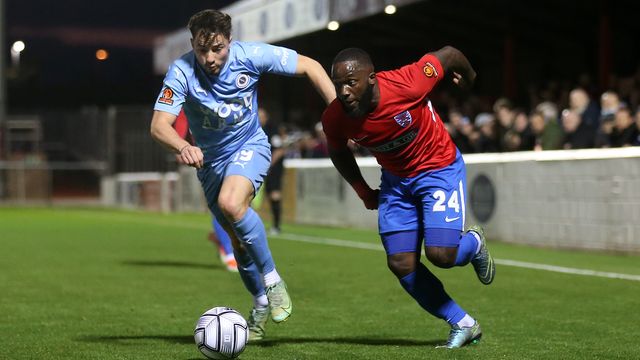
(206, 24)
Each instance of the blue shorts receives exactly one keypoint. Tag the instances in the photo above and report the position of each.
(431, 204)
(252, 161)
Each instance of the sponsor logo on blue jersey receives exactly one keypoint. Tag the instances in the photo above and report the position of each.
(222, 110)
(226, 114)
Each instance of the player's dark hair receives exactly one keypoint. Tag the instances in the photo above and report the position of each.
(354, 54)
(208, 23)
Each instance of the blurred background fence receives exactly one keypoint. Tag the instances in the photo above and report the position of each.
(61, 156)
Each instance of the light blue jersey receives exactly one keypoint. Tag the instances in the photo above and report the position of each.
(222, 110)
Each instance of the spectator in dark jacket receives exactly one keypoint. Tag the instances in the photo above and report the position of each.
(583, 106)
(487, 141)
(609, 104)
(578, 133)
(625, 131)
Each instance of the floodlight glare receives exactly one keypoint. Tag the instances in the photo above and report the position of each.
(18, 46)
(333, 25)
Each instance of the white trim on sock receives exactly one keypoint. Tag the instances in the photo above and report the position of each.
(466, 321)
(479, 242)
(271, 278)
(260, 301)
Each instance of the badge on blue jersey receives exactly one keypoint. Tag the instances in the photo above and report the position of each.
(166, 96)
(242, 81)
(222, 110)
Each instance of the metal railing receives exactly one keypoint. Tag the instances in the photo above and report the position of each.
(75, 149)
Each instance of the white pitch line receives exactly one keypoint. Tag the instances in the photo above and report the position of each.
(378, 247)
(567, 270)
(506, 262)
(327, 241)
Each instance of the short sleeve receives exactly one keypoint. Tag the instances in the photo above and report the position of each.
(423, 76)
(173, 93)
(273, 59)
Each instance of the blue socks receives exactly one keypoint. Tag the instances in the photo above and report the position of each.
(428, 291)
(467, 249)
(223, 237)
(250, 231)
(256, 260)
(249, 273)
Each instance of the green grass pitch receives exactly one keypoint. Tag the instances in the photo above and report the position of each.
(97, 284)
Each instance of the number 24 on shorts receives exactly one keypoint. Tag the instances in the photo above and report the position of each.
(441, 198)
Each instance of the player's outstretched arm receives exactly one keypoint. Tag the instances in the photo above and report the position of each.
(318, 77)
(165, 134)
(347, 166)
(453, 60)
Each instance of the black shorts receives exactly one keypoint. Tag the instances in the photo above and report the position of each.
(273, 181)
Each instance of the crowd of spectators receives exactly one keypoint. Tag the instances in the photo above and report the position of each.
(583, 124)
(300, 144)
(555, 117)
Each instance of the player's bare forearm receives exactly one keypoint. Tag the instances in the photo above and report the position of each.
(347, 166)
(165, 134)
(318, 77)
(453, 60)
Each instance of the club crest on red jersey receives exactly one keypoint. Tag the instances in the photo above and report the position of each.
(403, 119)
(430, 70)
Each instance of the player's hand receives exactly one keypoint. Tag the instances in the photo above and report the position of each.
(191, 155)
(461, 81)
(369, 196)
(370, 199)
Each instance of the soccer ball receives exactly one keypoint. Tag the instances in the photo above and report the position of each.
(221, 333)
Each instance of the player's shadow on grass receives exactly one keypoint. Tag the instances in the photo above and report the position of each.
(347, 340)
(269, 342)
(168, 263)
(173, 339)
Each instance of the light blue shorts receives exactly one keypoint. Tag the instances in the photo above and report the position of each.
(252, 161)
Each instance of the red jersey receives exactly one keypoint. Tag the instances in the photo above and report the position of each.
(404, 132)
(182, 127)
